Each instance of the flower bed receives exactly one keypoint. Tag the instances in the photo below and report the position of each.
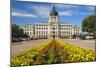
(53, 52)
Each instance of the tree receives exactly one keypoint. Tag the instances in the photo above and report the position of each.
(25, 35)
(89, 24)
(74, 36)
(16, 31)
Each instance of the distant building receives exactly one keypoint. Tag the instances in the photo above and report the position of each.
(52, 28)
(29, 30)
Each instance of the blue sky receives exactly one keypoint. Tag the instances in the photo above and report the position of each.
(34, 12)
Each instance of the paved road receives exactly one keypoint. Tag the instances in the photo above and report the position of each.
(21, 46)
(87, 44)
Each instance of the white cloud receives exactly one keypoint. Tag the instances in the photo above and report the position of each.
(91, 8)
(67, 6)
(40, 8)
(41, 11)
(65, 13)
(23, 15)
(43, 14)
(18, 10)
(87, 13)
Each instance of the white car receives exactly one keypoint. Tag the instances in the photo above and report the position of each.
(89, 37)
(24, 39)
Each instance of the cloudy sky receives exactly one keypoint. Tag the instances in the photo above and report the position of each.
(33, 12)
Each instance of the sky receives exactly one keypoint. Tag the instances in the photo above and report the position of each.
(34, 12)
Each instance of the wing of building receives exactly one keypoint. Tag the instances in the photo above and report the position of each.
(52, 28)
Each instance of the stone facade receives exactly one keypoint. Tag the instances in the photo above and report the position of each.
(51, 28)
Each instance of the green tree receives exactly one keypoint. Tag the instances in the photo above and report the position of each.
(89, 24)
(16, 31)
(25, 35)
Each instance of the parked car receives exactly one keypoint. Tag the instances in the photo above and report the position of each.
(24, 39)
(15, 39)
(89, 37)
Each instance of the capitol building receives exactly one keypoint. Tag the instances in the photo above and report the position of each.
(51, 28)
